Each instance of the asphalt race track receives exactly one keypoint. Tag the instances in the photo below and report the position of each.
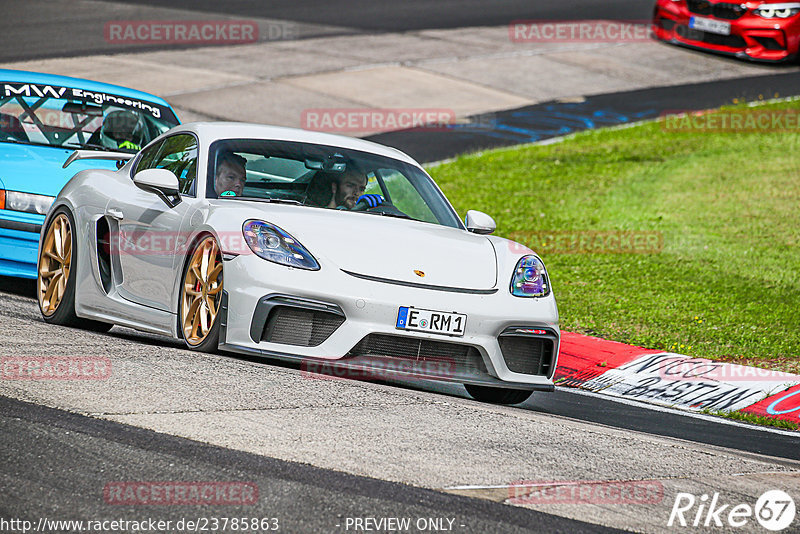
(563, 403)
(553, 119)
(365, 15)
(376, 449)
(47, 28)
(75, 455)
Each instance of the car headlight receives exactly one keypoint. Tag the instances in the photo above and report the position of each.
(16, 201)
(530, 278)
(274, 244)
(777, 11)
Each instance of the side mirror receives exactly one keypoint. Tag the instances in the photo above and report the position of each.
(478, 222)
(161, 182)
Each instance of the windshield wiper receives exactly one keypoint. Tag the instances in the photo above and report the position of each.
(284, 201)
(89, 146)
(268, 199)
(23, 142)
(391, 214)
(69, 146)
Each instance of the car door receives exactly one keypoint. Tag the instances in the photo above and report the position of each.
(149, 228)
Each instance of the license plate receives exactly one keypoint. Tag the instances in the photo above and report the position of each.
(710, 25)
(436, 322)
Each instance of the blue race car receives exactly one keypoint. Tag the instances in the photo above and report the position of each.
(43, 119)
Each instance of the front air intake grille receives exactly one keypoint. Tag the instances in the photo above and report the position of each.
(462, 358)
(729, 11)
(721, 10)
(527, 355)
(769, 43)
(298, 326)
(700, 7)
(731, 41)
(666, 24)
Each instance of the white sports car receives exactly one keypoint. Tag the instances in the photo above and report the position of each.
(327, 250)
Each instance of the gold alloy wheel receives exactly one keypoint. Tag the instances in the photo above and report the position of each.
(54, 264)
(200, 296)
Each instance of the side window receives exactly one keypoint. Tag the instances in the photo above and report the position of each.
(148, 156)
(178, 154)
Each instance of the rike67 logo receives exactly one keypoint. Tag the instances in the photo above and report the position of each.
(774, 510)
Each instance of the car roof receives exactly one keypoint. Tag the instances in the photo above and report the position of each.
(244, 130)
(22, 76)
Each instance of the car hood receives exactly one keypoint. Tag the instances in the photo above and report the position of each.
(37, 169)
(390, 248)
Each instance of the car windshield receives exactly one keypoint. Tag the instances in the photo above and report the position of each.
(75, 118)
(324, 176)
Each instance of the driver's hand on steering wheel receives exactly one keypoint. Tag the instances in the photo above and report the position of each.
(372, 201)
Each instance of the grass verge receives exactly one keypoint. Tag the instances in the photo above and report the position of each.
(755, 419)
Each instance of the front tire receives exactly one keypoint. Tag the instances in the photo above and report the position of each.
(498, 395)
(57, 268)
(201, 296)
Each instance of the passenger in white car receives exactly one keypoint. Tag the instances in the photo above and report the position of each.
(231, 174)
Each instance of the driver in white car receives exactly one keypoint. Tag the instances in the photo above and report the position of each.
(347, 188)
(342, 191)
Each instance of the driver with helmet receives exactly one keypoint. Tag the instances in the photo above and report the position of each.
(122, 129)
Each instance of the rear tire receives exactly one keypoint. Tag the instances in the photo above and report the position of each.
(57, 265)
(498, 395)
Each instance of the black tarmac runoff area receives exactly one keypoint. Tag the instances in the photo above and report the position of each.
(56, 466)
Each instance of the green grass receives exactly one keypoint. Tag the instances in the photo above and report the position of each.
(755, 419)
(726, 284)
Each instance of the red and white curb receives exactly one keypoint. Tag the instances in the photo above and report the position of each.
(675, 380)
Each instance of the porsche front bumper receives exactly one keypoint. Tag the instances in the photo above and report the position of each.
(332, 319)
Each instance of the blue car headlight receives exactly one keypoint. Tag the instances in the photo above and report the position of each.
(274, 244)
(530, 278)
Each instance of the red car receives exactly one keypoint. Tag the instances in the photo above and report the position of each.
(766, 30)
